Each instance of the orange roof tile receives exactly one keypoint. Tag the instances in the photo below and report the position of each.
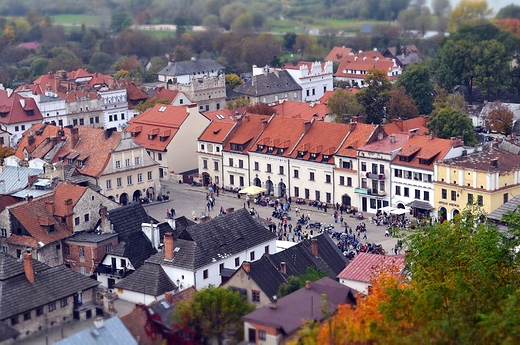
(159, 119)
(387, 144)
(301, 110)
(322, 139)
(365, 266)
(247, 130)
(43, 135)
(364, 62)
(282, 132)
(423, 148)
(338, 54)
(417, 123)
(15, 108)
(216, 132)
(63, 192)
(225, 115)
(359, 135)
(162, 93)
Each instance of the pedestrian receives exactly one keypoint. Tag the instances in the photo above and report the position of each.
(209, 206)
(248, 200)
(341, 221)
(172, 212)
(365, 235)
(168, 214)
(325, 207)
(396, 248)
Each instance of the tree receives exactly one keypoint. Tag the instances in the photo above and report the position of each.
(289, 39)
(509, 12)
(373, 98)
(417, 82)
(244, 22)
(451, 123)
(407, 18)
(511, 24)
(400, 105)
(469, 12)
(230, 12)
(294, 283)
(182, 25)
(5, 152)
(150, 103)
(453, 101)
(343, 105)
(238, 103)
(260, 108)
(440, 7)
(213, 313)
(233, 80)
(499, 118)
(120, 21)
(38, 67)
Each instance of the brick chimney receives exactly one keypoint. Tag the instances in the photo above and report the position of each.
(168, 246)
(283, 267)
(456, 141)
(308, 285)
(50, 206)
(69, 213)
(306, 126)
(314, 247)
(28, 267)
(106, 227)
(74, 136)
(247, 266)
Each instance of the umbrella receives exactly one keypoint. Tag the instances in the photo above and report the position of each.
(387, 209)
(253, 190)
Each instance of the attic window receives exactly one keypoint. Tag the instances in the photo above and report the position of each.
(267, 86)
(70, 160)
(219, 116)
(314, 155)
(260, 147)
(301, 154)
(270, 149)
(51, 228)
(326, 158)
(29, 112)
(162, 109)
(3, 114)
(281, 151)
(288, 84)
(177, 249)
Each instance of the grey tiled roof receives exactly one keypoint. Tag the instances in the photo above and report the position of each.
(7, 332)
(90, 237)
(136, 248)
(268, 84)
(113, 332)
(50, 284)
(128, 219)
(189, 67)
(512, 205)
(201, 244)
(149, 279)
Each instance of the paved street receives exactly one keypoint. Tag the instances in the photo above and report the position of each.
(186, 199)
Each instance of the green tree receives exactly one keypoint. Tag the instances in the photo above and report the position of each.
(508, 12)
(499, 118)
(373, 98)
(244, 22)
(182, 25)
(120, 21)
(38, 66)
(469, 12)
(238, 103)
(233, 80)
(289, 39)
(343, 105)
(451, 123)
(293, 284)
(417, 82)
(101, 62)
(214, 313)
(440, 7)
(401, 105)
(150, 103)
(453, 101)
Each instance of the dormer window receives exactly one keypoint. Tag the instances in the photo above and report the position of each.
(270, 149)
(281, 151)
(314, 155)
(301, 154)
(260, 147)
(70, 161)
(29, 112)
(326, 158)
(3, 114)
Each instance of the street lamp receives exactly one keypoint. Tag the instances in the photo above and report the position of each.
(463, 132)
(46, 333)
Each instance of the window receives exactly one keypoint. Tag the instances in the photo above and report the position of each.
(91, 120)
(328, 197)
(307, 193)
(129, 179)
(426, 196)
(261, 335)
(342, 180)
(308, 91)
(453, 195)
(241, 181)
(266, 249)
(382, 186)
(215, 166)
(296, 173)
(122, 116)
(63, 302)
(16, 128)
(5, 249)
(417, 194)
(256, 166)
(381, 169)
(23, 127)
(406, 191)
(252, 256)
(14, 320)
(237, 262)
(397, 190)
(52, 306)
(83, 270)
(119, 182)
(297, 192)
(115, 117)
(255, 296)
(268, 168)
(364, 183)
(149, 175)
(159, 156)
(118, 164)
(81, 122)
(86, 217)
(281, 170)
(241, 163)
(363, 166)
(66, 249)
(327, 178)
(123, 263)
(75, 122)
(81, 251)
(444, 194)
(3, 232)
(76, 221)
(109, 184)
(137, 160)
(349, 181)
(374, 168)
(231, 162)
(470, 198)
(346, 165)
(480, 200)
(232, 179)
(205, 274)
(97, 119)
(317, 194)
(311, 176)
(27, 316)
(139, 178)
(127, 162)
(39, 311)
(506, 199)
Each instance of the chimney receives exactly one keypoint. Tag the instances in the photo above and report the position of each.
(28, 267)
(273, 302)
(314, 247)
(456, 141)
(168, 246)
(392, 138)
(264, 124)
(74, 136)
(106, 227)
(464, 152)
(308, 284)
(169, 298)
(29, 198)
(69, 213)
(247, 266)
(98, 322)
(494, 163)
(50, 206)
(152, 232)
(283, 267)
(358, 119)
(306, 126)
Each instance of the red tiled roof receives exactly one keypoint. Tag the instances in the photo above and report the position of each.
(322, 139)
(224, 115)
(247, 130)
(16, 108)
(365, 266)
(162, 93)
(159, 119)
(281, 132)
(75, 94)
(7, 200)
(424, 147)
(338, 54)
(325, 98)
(308, 64)
(358, 137)
(43, 142)
(25, 241)
(29, 45)
(418, 123)
(364, 62)
(63, 192)
(216, 132)
(301, 110)
(386, 145)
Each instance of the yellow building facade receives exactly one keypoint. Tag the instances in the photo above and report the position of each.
(488, 178)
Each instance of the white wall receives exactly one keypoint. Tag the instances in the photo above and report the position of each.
(137, 297)
(356, 285)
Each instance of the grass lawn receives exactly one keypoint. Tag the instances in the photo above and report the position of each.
(158, 33)
(297, 26)
(77, 19)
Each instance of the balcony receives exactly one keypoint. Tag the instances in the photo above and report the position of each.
(111, 271)
(370, 191)
(375, 176)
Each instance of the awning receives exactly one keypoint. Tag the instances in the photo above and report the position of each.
(423, 205)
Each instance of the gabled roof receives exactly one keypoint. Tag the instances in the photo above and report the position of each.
(282, 132)
(127, 219)
(247, 130)
(202, 244)
(136, 248)
(423, 148)
(149, 279)
(358, 136)
(38, 135)
(322, 140)
(50, 285)
(113, 332)
(163, 93)
(216, 132)
(7, 200)
(301, 110)
(388, 144)
(484, 161)
(15, 108)
(365, 265)
(325, 98)
(293, 310)
(363, 62)
(268, 84)
(338, 54)
(156, 127)
(29, 45)
(417, 125)
(409, 49)
(225, 115)
(190, 67)
(63, 192)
